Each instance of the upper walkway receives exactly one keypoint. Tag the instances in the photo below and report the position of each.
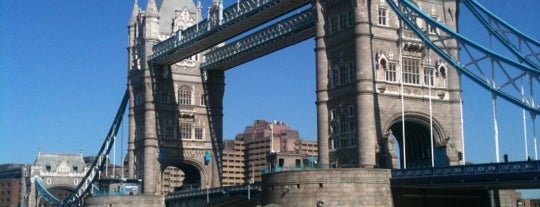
(208, 33)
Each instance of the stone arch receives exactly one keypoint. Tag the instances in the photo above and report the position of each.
(60, 192)
(189, 174)
(417, 142)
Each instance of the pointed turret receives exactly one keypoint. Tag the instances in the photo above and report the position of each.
(151, 9)
(151, 22)
(134, 13)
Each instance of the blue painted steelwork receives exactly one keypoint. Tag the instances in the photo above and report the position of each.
(526, 48)
(212, 192)
(231, 15)
(510, 175)
(85, 186)
(45, 194)
(407, 12)
(464, 170)
(265, 37)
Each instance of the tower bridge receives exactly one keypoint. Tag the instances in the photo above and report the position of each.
(388, 88)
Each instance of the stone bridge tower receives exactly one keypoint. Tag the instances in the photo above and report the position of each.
(169, 134)
(374, 86)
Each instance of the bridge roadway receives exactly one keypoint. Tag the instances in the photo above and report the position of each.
(511, 175)
(207, 33)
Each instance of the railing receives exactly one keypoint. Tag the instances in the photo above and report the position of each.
(212, 191)
(465, 170)
(206, 27)
(269, 35)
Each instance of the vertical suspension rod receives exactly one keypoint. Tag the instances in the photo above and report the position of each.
(462, 128)
(524, 122)
(400, 42)
(430, 81)
(494, 104)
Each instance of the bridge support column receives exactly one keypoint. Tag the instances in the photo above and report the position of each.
(215, 86)
(150, 151)
(322, 86)
(131, 134)
(328, 187)
(366, 134)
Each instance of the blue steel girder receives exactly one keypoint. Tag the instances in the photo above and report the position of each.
(223, 191)
(236, 20)
(282, 34)
(477, 63)
(522, 46)
(508, 175)
(85, 186)
(45, 194)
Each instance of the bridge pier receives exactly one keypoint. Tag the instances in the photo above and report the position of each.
(125, 201)
(418, 197)
(328, 187)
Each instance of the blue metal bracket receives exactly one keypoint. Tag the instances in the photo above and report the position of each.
(508, 70)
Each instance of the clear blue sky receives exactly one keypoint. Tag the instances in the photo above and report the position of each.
(63, 71)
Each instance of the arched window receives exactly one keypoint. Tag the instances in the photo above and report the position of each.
(184, 95)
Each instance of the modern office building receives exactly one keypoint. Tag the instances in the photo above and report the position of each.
(266, 138)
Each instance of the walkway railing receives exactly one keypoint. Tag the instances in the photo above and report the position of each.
(464, 170)
(232, 15)
(212, 191)
(269, 35)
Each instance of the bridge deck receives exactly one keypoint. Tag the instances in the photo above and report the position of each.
(173, 50)
(511, 175)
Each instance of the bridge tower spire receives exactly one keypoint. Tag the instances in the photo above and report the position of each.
(169, 131)
(132, 63)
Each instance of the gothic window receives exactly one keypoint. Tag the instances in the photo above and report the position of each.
(383, 19)
(350, 18)
(344, 142)
(432, 29)
(428, 76)
(138, 99)
(442, 73)
(164, 97)
(390, 72)
(335, 77)
(344, 73)
(203, 100)
(169, 132)
(333, 114)
(352, 128)
(350, 111)
(185, 130)
(333, 24)
(198, 133)
(342, 21)
(411, 70)
(352, 75)
(352, 141)
(184, 95)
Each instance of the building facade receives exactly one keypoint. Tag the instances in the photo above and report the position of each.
(234, 163)
(168, 119)
(59, 173)
(10, 184)
(381, 94)
(266, 138)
